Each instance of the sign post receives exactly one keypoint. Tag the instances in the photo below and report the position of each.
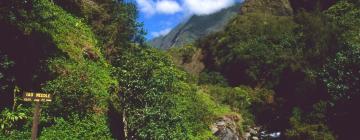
(36, 97)
(36, 119)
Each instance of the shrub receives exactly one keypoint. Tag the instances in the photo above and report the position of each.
(301, 130)
(13, 120)
(79, 87)
(90, 127)
(214, 78)
(158, 101)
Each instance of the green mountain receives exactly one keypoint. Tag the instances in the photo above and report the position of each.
(304, 56)
(201, 26)
(278, 69)
(194, 28)
(271, 7)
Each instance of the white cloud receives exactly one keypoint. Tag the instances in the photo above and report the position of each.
(151, 7)
(205, 7)
(197, 7)
(167, 7)
(146, 6)
(161, 33)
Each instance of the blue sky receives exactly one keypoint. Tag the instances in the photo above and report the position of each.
(160, 16)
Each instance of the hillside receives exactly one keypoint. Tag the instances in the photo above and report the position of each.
(277, 69)
(200, 26)
(271, 7)
(194, 28)
(102, 81)
(307, 57)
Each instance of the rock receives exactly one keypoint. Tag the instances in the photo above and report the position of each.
(225, 128)
(247, 136)
(213, 128)
(253, 131)
(257, 128)
(226, 134)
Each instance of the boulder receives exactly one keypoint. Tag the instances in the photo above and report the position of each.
(225, 127)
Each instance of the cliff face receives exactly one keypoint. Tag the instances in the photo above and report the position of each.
(195, 28)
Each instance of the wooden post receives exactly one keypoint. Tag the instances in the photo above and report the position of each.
(36, 120)
(37, 98)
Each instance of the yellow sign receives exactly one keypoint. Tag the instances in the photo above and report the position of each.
(42, 95)
(37, 97)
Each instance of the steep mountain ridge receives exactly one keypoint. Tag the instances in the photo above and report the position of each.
(195, 27)
(200, 26)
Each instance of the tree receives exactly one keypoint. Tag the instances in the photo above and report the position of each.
(251, 45)
(156, 99)
(342, 73)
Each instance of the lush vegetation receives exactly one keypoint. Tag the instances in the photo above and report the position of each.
(308, 61)
(106, 84)
(297, 74)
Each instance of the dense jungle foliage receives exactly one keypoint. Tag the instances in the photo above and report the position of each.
(297, 74)
(309, 60)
